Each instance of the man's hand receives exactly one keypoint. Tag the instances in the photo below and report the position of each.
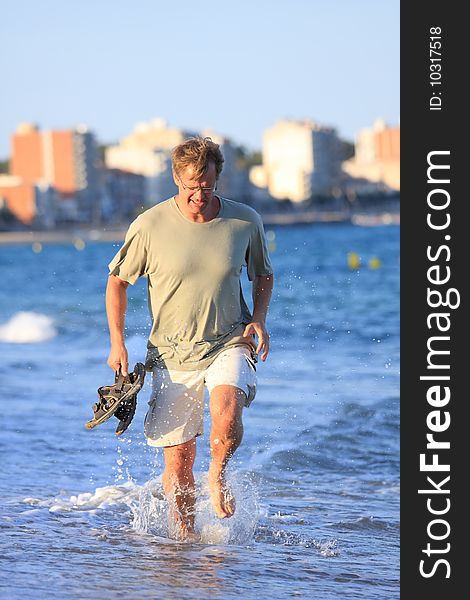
(118, 358)
(259, 329)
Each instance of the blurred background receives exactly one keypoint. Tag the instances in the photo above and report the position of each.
(304, 100)
(305, 104)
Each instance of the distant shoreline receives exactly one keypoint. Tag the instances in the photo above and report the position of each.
(79, 235)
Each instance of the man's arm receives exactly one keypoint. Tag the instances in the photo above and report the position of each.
(262, 290)
(116, 305)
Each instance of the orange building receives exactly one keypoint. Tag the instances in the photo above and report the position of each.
(48, 156)
(387, 144)
(62, 156)
(19, 198)
(27, 160)
(62, 159)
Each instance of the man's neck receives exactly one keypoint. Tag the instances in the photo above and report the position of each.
(211, 213)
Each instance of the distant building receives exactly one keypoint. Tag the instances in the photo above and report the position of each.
(28, 203)
(123, 196)
(233, 181)
(376, 164)
(147, 151)
(18, 197)
(300, 159)
(154, 165)
(155, 134)
(258, 178)
(63, 159)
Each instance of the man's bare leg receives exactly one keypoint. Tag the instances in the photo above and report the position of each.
(226, 406)
(178, 484)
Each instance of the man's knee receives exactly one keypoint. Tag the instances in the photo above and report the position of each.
(179, 460)
(226, 403)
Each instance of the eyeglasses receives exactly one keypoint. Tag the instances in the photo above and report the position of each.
(196, 188)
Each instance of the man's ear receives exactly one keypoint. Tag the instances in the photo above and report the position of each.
(175, 177)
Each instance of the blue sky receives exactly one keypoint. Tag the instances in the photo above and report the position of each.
(234, 67)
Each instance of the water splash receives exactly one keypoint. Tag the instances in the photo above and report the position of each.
(27, 328)
(150, 512)
(149, 508)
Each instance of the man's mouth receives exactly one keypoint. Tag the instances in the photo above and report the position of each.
(198, 204)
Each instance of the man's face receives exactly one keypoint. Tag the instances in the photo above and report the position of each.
(197, 196)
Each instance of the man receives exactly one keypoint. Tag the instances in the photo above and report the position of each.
(192, 248)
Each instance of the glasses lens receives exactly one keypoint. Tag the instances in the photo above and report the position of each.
(194, 189)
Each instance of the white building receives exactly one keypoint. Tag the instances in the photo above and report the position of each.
(153, 164)
(300, 159)
(233, 182)
(147, 151)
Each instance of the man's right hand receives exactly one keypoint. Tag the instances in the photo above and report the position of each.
(118, 359)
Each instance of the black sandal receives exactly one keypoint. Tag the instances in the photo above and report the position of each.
(119, 399)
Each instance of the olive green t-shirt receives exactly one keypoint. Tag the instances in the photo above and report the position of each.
(193, 272)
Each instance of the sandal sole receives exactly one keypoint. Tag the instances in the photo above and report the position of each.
(136, 387)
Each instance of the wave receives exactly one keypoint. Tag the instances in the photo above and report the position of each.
(268, 534)
(367, 523)
(27, 328)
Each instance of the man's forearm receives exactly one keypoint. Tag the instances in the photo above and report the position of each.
(116, 306)
(262, 291)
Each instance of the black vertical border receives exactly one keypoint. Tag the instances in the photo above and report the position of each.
(423, 131)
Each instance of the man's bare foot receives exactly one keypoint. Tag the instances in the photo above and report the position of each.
(181, 530)
(187, 534)
(221, 496)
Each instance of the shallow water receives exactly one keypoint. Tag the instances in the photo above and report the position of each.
(316, 479)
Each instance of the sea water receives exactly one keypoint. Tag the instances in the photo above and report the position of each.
(316, 478)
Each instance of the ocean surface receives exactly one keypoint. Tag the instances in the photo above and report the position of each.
(316, 479)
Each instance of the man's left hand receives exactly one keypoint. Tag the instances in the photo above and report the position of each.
(259, 329)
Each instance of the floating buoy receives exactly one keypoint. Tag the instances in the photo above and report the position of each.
(79, 244)
(354, 261)
(37, 247)
(374, 263)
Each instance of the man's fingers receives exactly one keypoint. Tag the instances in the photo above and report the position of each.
(263, 338)
(124, 365)
(265, 347)
(247, 331)
(117, 364)
(264, 356)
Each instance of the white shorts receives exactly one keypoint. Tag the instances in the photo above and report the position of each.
(176, 406)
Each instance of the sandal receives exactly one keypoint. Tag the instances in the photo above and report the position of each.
(125, 413)
(119, 399)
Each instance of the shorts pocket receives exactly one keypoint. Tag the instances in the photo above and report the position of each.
(251, 383)
(251, 362)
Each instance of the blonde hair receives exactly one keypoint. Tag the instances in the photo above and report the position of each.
(197, 152)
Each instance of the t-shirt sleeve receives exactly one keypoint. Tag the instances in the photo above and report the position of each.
(257, 256)
(130, 262)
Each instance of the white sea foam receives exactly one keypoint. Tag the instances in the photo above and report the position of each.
(27, 328)
(149, 508)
